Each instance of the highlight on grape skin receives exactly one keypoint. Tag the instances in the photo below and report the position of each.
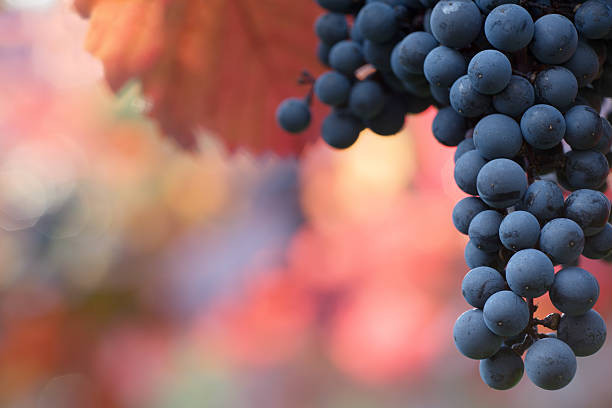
(519, 90)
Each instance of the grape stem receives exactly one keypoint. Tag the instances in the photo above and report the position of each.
(531, 334)
(306, 78)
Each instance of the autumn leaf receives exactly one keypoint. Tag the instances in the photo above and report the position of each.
(220, 66)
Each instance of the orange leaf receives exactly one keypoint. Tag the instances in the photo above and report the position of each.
(217, 65)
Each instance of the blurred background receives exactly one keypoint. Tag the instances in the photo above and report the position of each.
(136, 274)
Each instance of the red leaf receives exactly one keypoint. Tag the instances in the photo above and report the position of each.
(219, 65)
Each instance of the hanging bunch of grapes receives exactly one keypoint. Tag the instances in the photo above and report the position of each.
(519, 87)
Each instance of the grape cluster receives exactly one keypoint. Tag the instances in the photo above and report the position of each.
(519, 86)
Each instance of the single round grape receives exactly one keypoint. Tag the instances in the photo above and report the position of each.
(449, 127)
(293, 115)
(333, 88)
(409, 55)
(584, 64)
(466, 171)
(593, 19)
(480, 283)
(599, 246)
(530, 273)
(519, 230)
(586, 169)
(331, 28)
(550, 364)
(516, 98)
(583, 127)
(489, 72)
(503, 370)
(472, 337)
(556, 86)
(484, 230)
(465, 211)
(501, 183)
(543, 126)
(562, 239)
(377, 22)
(475, 257)
(346, 57)
(505, 313)
(463, 147)
(554, 39)
(367, 99)
(341, 129)
(509, 27)
(544, 199)
(574, 291)
(588, 208)
(498, 136)
(486, 6)
(585, 334)
(443, 66)
(454, 23)
(466, 100)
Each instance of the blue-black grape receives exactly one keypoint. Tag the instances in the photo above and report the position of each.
(323, 50)
(472, 337)
(454, 23)
(490, 72)
(530, 273)
(409, 55)
(574, 291)
(584, 64)
(516, 98)
(480, 283)
(556, 86)
(333, 88)
(367, 99)
(501, 183)
(340, 6)
(593, 19)
(465, 211)
(586, 169)
(554, 39)
(519, 230)
(440, 95)
(449, 127)
(466, 100)
(341, 129)
(562, 239)
(543, 126)
(509, 27)
(443, 66)
(505, 313)
(346, 57)
(550, 364)
(498, 136)
(605, 143)
(588, 208)
(585, 334)
(544, 199)
(599, 246)
(475, 257)
(377, 22)
(503, 370)
(484, 230)
(583, 127)
(465, 146)
(293, 115)
(331, 28)
(466, 171)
